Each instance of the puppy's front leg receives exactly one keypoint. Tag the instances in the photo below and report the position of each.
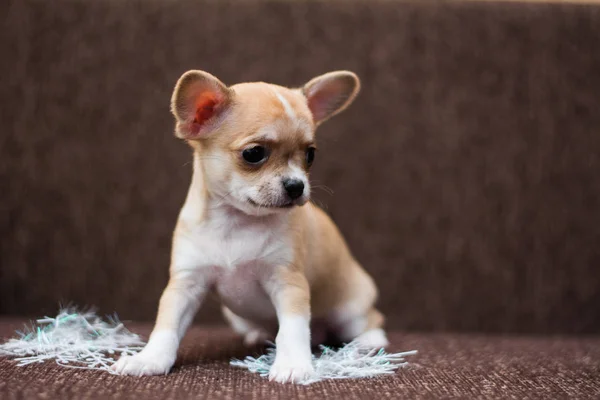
(178, 305)
(290, 294)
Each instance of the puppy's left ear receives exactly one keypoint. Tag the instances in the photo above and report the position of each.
(198, 103)
(330, 94)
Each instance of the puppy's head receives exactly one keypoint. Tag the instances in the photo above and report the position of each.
(255, 142)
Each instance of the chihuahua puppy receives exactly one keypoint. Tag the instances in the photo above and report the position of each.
(248, 231)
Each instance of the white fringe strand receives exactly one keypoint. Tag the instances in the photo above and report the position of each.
(348, 362)
(75, 340)
(83, 340)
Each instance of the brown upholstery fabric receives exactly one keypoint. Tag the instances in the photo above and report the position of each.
(465, 176)
(448, 366)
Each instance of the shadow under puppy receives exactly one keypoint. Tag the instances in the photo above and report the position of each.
(247, 230)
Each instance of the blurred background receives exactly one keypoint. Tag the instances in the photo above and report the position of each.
(465, 177)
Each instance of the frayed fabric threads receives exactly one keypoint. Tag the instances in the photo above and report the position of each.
(73, 339)
(83, 340)
(348, 362)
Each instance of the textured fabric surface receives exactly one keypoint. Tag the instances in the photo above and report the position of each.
(448, 366)
(465, 176)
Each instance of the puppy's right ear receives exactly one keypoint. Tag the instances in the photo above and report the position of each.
(198, 101)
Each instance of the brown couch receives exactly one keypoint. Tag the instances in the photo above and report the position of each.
(465, 179)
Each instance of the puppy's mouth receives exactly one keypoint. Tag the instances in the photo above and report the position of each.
(284, 205)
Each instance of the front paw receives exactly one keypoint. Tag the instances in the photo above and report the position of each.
(143, 364)
(287, 369)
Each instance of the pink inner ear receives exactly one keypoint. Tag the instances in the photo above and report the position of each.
(326, 99)
(206, 105)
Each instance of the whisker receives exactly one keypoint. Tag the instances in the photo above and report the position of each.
(319, 204)
(324, 188)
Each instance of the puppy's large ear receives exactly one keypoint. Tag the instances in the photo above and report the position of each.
(331, 93)
(199, 99)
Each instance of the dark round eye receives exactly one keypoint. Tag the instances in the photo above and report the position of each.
(310, 156)
(254, 155)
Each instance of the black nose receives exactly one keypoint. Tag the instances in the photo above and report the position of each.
(293, 187)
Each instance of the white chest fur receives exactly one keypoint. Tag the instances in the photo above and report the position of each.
(236, 253)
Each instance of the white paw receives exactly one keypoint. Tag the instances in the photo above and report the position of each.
(290, 370)
(143, 364)
(255, 337)
(373, 339)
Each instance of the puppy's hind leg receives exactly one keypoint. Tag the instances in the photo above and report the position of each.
(373, 335)
(365, 328)
(252, 333)
(356, 318)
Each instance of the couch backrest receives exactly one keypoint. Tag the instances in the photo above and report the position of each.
(465, 177)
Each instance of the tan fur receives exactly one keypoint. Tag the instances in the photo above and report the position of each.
(237, 223)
